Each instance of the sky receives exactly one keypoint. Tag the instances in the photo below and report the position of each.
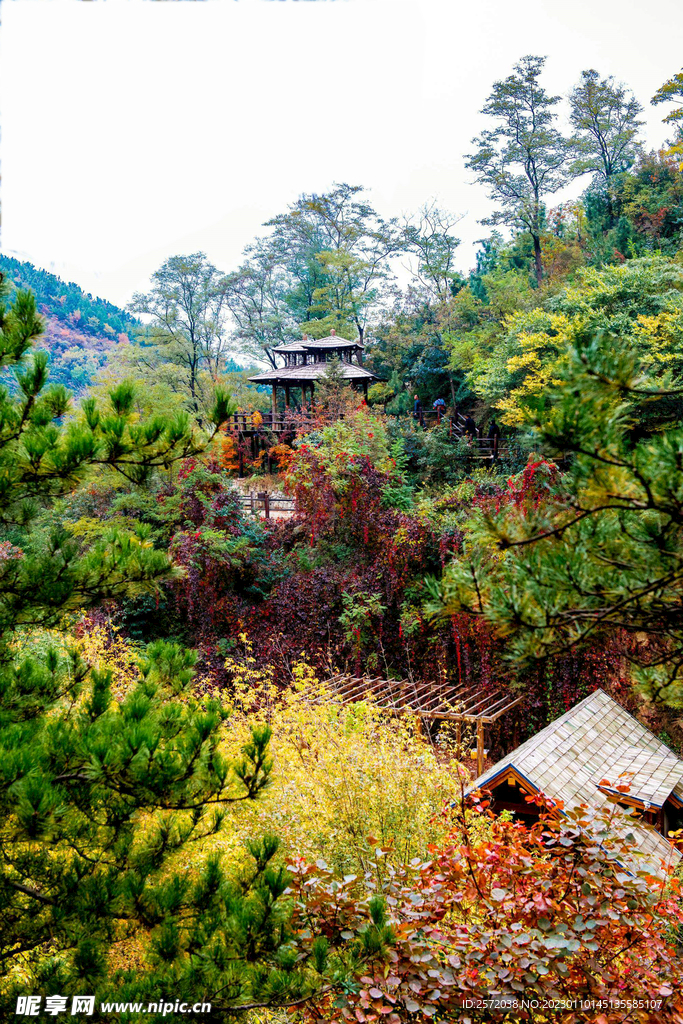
(133, 131)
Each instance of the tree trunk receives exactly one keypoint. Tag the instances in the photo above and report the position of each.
(538, 259)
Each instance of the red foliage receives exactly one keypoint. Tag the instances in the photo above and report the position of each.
(542, 913)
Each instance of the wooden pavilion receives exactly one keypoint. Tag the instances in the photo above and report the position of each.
(306, 361)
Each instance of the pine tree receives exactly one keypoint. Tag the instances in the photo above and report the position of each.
(97, 795)
(603, 549)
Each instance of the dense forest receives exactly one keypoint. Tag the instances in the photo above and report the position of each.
(189, 815)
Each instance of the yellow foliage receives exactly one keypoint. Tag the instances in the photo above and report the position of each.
(663, 334)
(607, 300)
(104, 648)
(341, 774)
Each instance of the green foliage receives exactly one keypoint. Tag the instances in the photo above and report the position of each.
(97, 794)
(188, 324)
(381, 394)
(639, 302)
(602, 551)
(523, 159)
(605, 119)
(321, 267)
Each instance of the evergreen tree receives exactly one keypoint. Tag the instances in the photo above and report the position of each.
(601, 548)
(98, 795)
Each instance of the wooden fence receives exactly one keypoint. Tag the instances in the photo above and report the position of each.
(271, 505)
(257, 430)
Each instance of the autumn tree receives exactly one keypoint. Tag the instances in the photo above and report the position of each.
(601, 552)
(564, 912)
(523, 159)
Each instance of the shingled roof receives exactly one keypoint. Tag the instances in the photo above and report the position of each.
(597, 740)
(315, 344)
(313, 371)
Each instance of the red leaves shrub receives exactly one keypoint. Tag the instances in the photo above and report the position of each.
(343, 500)
(509, 912)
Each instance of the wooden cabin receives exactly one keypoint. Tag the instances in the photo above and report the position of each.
(572, 760)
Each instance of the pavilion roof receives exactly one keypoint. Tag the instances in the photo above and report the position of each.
(313, 371)
(307, 344)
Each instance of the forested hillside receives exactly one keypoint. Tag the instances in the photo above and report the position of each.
(207, 586)
(79, 330)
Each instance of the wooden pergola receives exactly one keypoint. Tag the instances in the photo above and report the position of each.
(462, 704)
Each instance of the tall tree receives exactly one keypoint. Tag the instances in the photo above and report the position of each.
(523, 158)
(605, 118)
(672, 92)
(188, 314)
(338, 251)
(259, 297)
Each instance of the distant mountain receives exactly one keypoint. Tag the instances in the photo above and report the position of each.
(79, 329)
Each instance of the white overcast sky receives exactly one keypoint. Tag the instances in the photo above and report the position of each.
(133, 130)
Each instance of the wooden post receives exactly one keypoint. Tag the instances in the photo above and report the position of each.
(274, 402)
(266, 504)
(287, 397)
(480, 747)
(251, 502)
(240, 459)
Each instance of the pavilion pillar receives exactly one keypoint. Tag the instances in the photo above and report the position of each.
(480, 747)
(274, 403)
(287, 397)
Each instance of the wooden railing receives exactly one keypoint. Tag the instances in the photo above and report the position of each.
(257, 426)
(269, 504)
(256, 423)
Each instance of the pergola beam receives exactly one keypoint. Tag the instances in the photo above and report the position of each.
(462, 704)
